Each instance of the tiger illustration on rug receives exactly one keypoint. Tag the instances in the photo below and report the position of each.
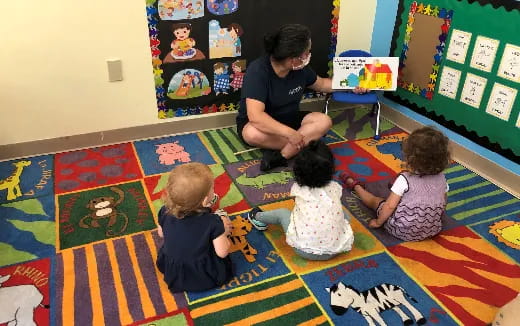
(241, 227)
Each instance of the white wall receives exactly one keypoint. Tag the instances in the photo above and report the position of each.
(356, 21)
(53, 75)
(53, 71)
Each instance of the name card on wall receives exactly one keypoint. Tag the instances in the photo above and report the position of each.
(501, 101)
(459, 45)
(484, 53)
(473, 89)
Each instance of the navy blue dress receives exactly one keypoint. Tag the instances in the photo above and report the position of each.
(187, 258)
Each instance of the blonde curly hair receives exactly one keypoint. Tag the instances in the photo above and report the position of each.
(187, 187)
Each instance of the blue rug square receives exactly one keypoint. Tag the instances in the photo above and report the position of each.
(373, 289)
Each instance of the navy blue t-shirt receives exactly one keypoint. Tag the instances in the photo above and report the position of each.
(281, 96)
(187, 257)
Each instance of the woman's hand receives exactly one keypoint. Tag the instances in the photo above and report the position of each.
(359, 90)
(296, 139)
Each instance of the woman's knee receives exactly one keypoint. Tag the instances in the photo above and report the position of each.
(321, 120)
(327, 121)
(252, 135)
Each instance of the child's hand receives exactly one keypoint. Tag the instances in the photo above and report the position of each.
(228, 226)
(159, 231)
(374, 224)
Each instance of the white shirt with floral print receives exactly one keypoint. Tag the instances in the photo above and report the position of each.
(318, 224)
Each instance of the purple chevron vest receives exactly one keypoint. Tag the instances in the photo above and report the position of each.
(418, 214)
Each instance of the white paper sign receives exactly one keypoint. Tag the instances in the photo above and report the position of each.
(518, 121)
(510, 64)
(459, 44)
(375, 73)
(449, 83)
(484, 53)
(501, 101)
(473, 89)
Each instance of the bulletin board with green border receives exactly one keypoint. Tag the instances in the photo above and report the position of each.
(445, 84)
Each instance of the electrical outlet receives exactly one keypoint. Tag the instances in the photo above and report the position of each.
(115, 70)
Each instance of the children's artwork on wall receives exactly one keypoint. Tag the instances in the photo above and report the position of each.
(221, 78)
(473, 89)
(180, 9)
(183, 46)
(224, 41)
(459, 44)
(484, 53)
(188, 83)
(449, 84)
(378, 73)
(501, 101)
(222, 7)
(238, 68)
(483, 44)
(190, 36)
(510, 64)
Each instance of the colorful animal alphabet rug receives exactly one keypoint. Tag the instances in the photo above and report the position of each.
(79, 239)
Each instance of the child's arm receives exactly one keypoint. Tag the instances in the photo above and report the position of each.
(160, 220)
(221, 243)
(387, 209)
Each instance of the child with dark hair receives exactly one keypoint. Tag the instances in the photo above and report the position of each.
(182, 45)
(317, 228)
(413, 210)
(194, 256)
(235, 31)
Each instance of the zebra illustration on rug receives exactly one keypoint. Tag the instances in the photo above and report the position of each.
(372, 302)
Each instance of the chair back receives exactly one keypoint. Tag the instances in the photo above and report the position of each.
(355, 53)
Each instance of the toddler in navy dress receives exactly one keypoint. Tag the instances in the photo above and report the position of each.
(417, 201)
(194, 256)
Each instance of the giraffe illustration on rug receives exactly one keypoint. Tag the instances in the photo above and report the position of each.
(12, 182)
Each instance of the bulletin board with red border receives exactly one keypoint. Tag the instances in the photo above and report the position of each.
(201, 48)
(460, 66)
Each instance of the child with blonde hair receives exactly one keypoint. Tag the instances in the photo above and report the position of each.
(194, 256)
(417, 201)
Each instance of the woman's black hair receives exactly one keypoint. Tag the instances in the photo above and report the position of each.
(289, 41)
(314, 165)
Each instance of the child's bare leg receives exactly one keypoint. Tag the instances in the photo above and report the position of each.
(367, 198)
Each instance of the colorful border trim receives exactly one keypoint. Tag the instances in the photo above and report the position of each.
(429, 11)
(160, 93)
(164, 112)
